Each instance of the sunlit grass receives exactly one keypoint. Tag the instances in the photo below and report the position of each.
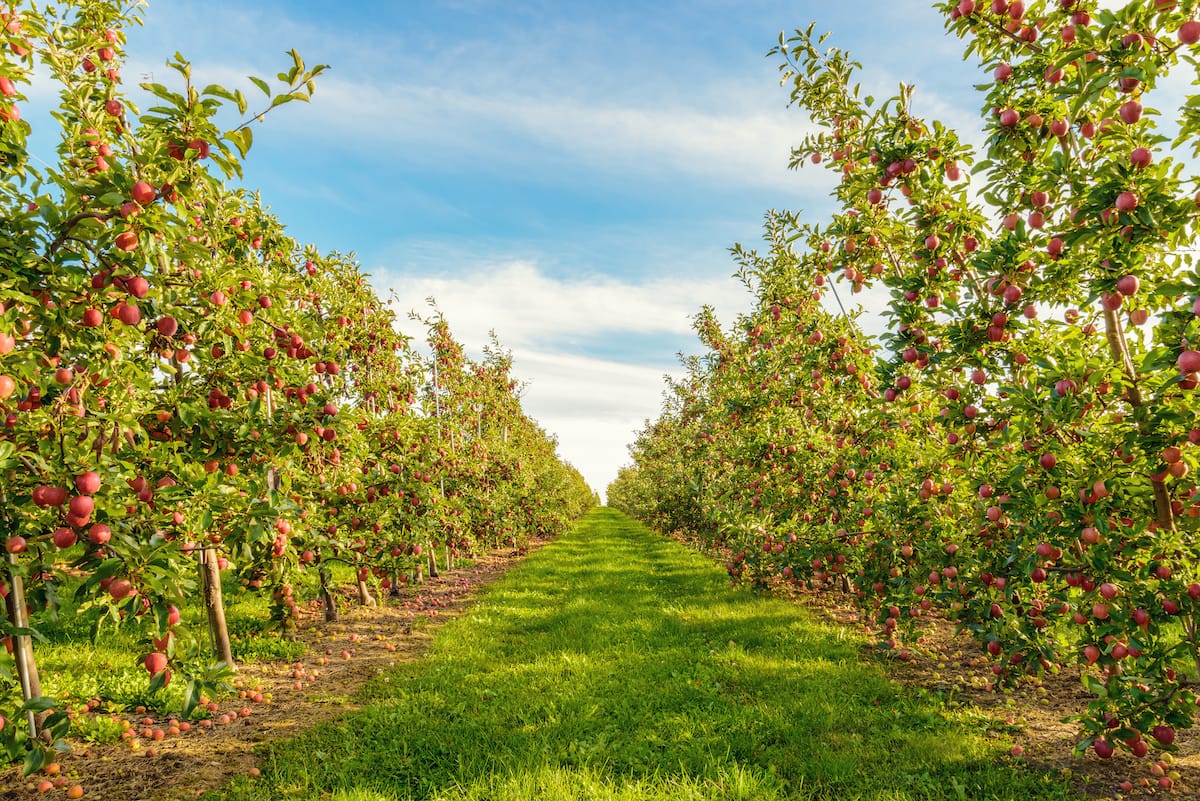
(615, 664)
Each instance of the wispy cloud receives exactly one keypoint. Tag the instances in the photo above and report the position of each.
(529, 309)
(593, 405)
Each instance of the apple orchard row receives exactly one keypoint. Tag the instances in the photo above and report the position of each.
(1017, 451)
(186, 390)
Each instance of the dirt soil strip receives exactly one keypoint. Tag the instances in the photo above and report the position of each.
(1035, 714)
(341, 658)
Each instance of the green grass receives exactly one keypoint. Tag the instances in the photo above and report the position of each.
(615, 664)
(74, 669)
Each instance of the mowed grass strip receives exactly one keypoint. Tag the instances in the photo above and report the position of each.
(616, 664)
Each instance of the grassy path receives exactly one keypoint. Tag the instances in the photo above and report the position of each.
(614, 664)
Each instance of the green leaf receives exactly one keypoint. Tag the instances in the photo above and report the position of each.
(34, 761)
(261, 84)
(40, 703)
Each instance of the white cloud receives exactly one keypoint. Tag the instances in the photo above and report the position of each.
(593, 405)
(530, 309)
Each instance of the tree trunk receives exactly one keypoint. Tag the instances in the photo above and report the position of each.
(18, 615)
(433, 571)
(364, 594)
(328, 600)
(1120, 350)
(214, 606)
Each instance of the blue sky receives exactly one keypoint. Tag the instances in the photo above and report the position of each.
(569, 174)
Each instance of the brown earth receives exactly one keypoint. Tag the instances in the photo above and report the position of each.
(341, 658)
(1034, 714)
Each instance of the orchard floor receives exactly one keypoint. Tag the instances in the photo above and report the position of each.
(615, 664)
(341, 658)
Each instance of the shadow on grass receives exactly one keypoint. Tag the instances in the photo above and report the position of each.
(616, 664)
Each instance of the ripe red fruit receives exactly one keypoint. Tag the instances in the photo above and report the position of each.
(1048, 460)
(99, 534)
(155, 663)
(1103, 748)
(1189, 32)
(114, 108)
(1059, 127)
(1130, 111)
(1164, 734)
(91, 318)
(1009, 118)
(143, 193)
(127, 241)
(82, 506)
(129, 314)
(15, 544)
(120, 589)
(167, 326)
(1128, 285)
(1002, 73)
(1188, 361)
(137, 286)
(6, 86)
(1126, 201)
(1140, 157)
(64, 537)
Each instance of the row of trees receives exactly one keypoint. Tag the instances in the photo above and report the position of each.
(1017, 451)
(184, 388)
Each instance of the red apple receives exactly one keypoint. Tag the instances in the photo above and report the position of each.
(64, 537)
(127, 240)
(155, 663)
(143, 193)
(129, 313)
(167, 326)
(1164, 734)
(82, 506)
(1130, 111)
(1188, 361)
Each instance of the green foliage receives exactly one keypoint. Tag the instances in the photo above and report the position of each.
(179, 376)
(1017, 451)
